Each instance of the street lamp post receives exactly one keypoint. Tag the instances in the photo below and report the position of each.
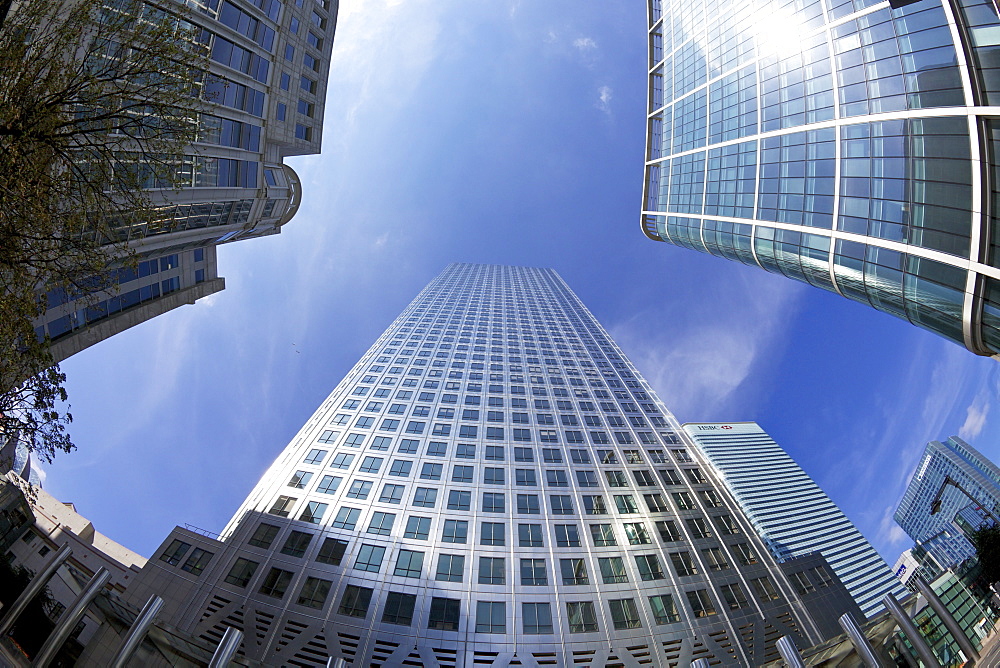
(948, 480)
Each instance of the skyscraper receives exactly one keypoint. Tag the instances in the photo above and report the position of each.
(789, 511)
(493, 483)
(843, 143)
(262, 101)
(970, 471)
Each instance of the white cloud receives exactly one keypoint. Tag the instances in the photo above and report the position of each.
(584, 44)
(604, 96)
(975, 417)
(382, 240)
(891, 536)
(697, 362)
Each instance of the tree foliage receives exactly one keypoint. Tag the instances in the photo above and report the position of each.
(986, 540)
(98, 102)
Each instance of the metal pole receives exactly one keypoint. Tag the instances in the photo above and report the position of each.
(700, 663)
(36, 585)
(336, 663)
(860, 642)
(911, 632)
(789, 652)
(227, 648)
(69, 619)
(970, 651)
(137, 631)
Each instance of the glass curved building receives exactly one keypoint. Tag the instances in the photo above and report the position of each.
(493, 484)
(849, 144)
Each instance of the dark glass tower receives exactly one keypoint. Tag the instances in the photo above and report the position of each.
(493, 483)
(847, 144)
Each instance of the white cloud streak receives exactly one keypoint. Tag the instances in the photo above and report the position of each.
(696, 364)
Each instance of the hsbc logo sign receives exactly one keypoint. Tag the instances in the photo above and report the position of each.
(726, 426)
(705, 427)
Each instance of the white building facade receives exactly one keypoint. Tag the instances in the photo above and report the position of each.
(789, 510)
(494, 484)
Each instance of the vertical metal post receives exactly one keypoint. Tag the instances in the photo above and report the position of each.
(137, 631)
(336, 663)
(69, 619)
(700, 663)
(789, 652)
(227, 648)
(911, 632)
(864, 649)
(970, 651)
(36, 585)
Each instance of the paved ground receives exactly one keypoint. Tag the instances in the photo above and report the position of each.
(990, 657)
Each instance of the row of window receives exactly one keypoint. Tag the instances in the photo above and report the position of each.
(492, 502)
(491, 616)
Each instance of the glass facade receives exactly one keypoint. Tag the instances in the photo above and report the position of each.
(846, 144)
(937, 533)
(493, 483)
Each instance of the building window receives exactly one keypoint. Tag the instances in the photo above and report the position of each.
(355, 601)
(262, 537)
(417, 528)
(581, 616)
(626, 504)
(492, 533)
(734, 596)
(567, 535)
(241, 572)
(315, 456)
(562, 504)
(715, 558)
(624, 614)
(276, 583)
(409, 564)
(296, 544)
(683, 564)
(664, 610)
(700, 602)
(525, 478)
(391, 493)
(332, 551)
(594, 505)
(455, 531)
(603, 535)
(424, 497)
(329, 484)
(698, 527)
(445, 614)
(313, 512)
(381, 523)
(491, 617)
(177, 549)
(636, 533)
(529, 535)
(359, 489)
(370, 558)
(527, 504)
(459, 500)
(399, 608)
(450, 568)
(612, 570)
(346, 518)
(492, 571)
(802, 584)
(493, 502)
(314, 592)
(282, 506)
(537, 618)
(574, 571)
(462, 474)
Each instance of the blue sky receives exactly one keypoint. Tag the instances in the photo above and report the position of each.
(502, 132)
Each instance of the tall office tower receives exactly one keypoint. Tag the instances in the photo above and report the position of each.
(262, 101)
(974, 486)
(493, 483)
(849, 144)
(789, 511)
